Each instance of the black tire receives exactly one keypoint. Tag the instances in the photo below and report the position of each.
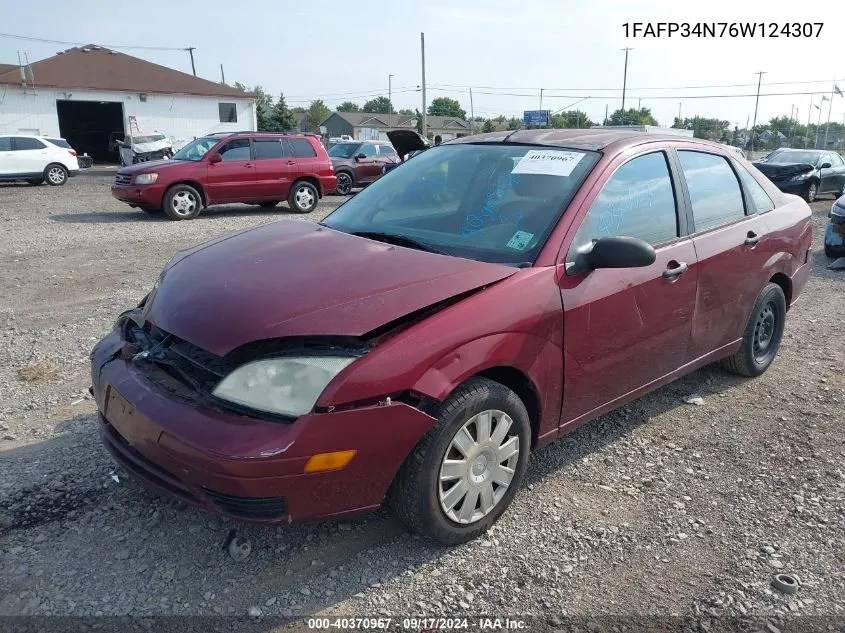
(303, 197)
(833, 253)
(182, 202)
(414, 495)
(345, 183)
(55, 174)
(151, 210)
(763, 333)
(811, 191)
(268, 204)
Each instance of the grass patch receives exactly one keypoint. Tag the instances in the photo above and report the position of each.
(36, 372)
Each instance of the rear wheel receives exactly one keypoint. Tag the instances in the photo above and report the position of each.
(303, 197)
(55, 175)
(344, 183)
(182, 202)
(811, 191)
(269, 204)
(833, 252)
(763, 334)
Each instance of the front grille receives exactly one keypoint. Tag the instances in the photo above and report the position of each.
(122, 180)
(248, 507)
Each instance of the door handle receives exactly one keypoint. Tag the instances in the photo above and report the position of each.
(248, 165)
(291, 162)
(752, 239)
(675, 271)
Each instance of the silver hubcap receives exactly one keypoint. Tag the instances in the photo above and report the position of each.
(56, 175)
(478, 467)
(811, 193)
(184, 203)
(304, 198)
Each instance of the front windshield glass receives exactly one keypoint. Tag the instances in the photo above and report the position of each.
(150, 138)
(493, 203)
(343, 150)
(784, 158)
(195, 150)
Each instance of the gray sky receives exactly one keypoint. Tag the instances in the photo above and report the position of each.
(346, 50)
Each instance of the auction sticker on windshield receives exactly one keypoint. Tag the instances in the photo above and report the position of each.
(548, 162)
(520, 240)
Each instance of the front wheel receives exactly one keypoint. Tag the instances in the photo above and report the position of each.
(344, 183)
(464, 473)
(811, 192)
(55, 175)
(182, 202)
(763, 334)
(303, 197)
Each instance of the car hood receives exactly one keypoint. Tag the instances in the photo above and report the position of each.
(406, 141)
(294, 278)
(784, 169)
(153, 165)
(142, 148)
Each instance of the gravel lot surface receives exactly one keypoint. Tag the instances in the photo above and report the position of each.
(662, 507)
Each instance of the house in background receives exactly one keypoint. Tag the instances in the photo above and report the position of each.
(91, 94)
(370, 126)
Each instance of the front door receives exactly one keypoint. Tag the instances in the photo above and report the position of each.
(233, 178)
(833, 177)
(367, 167)
(626, 328)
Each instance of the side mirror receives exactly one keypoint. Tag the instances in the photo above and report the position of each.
(825, 166)
(360, 157)
(215, 158)
(616, 252)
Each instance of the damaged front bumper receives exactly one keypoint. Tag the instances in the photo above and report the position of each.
(239, 465)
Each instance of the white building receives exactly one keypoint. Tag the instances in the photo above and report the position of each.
(91, 94)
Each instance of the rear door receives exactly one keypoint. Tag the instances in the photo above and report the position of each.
(7, 162)
(732, 245)
(30, 154)
(834, 178)
(272, 169)
(367, 168)
(232, 179)
(386, 156)
(303, 158)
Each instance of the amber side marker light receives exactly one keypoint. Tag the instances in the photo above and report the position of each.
(329, 461)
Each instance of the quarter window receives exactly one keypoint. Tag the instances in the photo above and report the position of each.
(236, 150)
(836, 160)
(301, 148)
(637, 201)
(760, 199)
(228, 112)
(713, 189)
(267, 149)
(24, 143)
(5, 143)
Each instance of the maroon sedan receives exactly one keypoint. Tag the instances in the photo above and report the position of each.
(490, 296)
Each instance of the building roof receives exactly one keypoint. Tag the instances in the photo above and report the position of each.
(96, 68)
(4, 68)
(376, 120)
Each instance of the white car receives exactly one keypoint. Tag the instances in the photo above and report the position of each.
(37, 159)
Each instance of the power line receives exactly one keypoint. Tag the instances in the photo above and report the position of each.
(545, 90)
(63, 43)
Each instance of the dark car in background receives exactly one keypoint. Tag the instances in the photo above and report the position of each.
(407, 143)
(834, 235)
(358, 163)
(805, 172)
(250, 167)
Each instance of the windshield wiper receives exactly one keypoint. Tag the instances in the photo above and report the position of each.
(399, 240)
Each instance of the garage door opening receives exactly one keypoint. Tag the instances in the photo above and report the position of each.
(90, 125)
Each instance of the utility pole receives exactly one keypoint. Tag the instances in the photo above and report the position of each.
(390, 91)
(819, 123)
(829, 109)
(754, 125)
(191, 50)
(471, 114)
(679, 115)
(222, 75)
(605, 114)
(541, 99)
(424, 119)
(625, 81)
(809, 112)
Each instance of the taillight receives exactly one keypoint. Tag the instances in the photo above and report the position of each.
(72, 152)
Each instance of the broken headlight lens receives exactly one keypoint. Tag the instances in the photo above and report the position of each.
(146, 179)
(286, 386)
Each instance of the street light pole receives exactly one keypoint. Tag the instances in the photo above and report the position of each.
(625, 82)
(424, 119)
(756, 103)
(390, 91)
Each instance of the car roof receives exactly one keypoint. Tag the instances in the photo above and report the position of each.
(250, 133)
(594, 139)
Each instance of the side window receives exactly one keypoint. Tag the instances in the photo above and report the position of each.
(228, 112)
(836, 160)
(5, 143)
(760, 199)
(713, 189)
(267, 149)
(236, 150)
(368, 150)
(24, 142)
(301, 148)
(637, 201)
(386, 151)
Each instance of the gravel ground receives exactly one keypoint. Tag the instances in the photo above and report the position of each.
(661, 507)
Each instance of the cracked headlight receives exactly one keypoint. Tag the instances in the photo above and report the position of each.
(286, 386)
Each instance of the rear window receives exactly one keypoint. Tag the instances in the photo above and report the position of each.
(59, 142)
(301, 148)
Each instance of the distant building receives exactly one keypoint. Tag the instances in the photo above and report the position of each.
(90, 94)
(372, 126)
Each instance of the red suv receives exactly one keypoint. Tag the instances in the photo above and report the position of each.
(250, 167)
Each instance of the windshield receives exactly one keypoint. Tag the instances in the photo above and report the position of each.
(492, 203)
(150, 138)
(784, 158)
(343, 150)
(195, 150)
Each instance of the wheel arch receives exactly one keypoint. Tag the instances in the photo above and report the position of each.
(785, 284)
(525, 389)
(309, 179)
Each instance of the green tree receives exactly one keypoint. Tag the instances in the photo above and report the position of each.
(281, 118)
(379, 105)
(348, 106)
(406, 112)
(317, 113)
(444, 106)
(500, 119)
(418, 116)
(571, 119)
(514, 123)
(632, 116)
(488, 126)
(298, 110)
(702, 127)
(263, 108)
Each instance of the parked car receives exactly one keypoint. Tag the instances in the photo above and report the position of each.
(834, 234)
(493, 294)
(806, 172)
(250, 167)
(37, 159)
(143, 148)
(359, 163)
(771, 154)
(407, 143)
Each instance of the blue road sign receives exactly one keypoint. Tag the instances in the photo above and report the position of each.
(536, 117)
